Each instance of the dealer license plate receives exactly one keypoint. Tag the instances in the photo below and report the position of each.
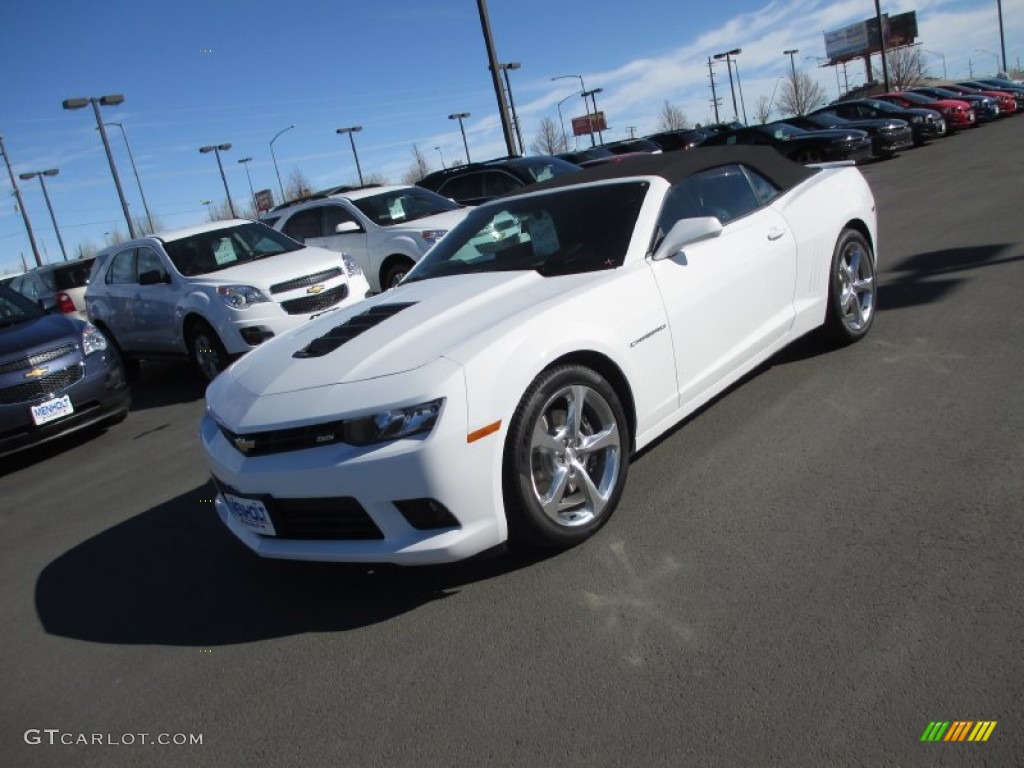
(52, 410)
(252, 513)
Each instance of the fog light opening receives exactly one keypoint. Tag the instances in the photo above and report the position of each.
(255, 335)
(426, 514)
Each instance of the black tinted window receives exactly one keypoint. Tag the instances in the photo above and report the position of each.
(725, 193)
(303, 224)
(122, 268)
(74, 275)
(333, 216)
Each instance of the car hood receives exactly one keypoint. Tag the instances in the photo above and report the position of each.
(273, 269)
(37, 335)
(442, 314)
(831, 134)
(877, 123)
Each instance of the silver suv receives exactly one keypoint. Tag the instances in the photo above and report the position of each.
(386, 229)
(213, 292)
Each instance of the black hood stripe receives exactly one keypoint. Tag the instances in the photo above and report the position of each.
(355, 325)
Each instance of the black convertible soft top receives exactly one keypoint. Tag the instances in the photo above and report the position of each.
(676, 166)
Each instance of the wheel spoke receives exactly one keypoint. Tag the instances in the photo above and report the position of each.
(864, 285)
(544, 440)
(595, 500)
(606, 438)
(556, 491)
(574, 417)
(854, 263)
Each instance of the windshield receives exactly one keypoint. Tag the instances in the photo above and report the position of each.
(401, 205)
(219, 249)
(15, 308)
(564, 232)
(782, 130)
(542, 169)
(828, 120)
(917, 98)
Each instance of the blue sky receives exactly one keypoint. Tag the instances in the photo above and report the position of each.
(196, 73)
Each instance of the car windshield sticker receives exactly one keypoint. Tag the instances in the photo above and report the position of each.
(543, 235)
(224, 252)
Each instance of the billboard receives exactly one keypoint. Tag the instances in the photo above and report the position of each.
(264, 200)
(583, 126)
(862, 38)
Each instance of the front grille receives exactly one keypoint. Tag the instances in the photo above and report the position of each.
(315, 302)
(302, 282)
(283, 440)
(37, 359)
(50, 384)
(351, 328)
(339, 518)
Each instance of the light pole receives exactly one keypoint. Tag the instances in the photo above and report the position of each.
(1002, 39)
(135, 170)
(352, 141)
(110, 100)
(565, 139)
(39, 175)
(511, 103)
(941, 56)
(583, 89)
(592, 94)
(728, 63)
(209, 210)
(881, 43)
(21, 204)
(245, 162)
(792, 52)
(492, 64)
(217, 149)
(274, 158)
(443, 166)
(459, 116)
(771, 101)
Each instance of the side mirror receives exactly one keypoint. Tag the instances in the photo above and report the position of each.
(154, 277)
(686, 232)
(346, 227)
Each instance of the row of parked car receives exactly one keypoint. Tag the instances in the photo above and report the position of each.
(215, 291)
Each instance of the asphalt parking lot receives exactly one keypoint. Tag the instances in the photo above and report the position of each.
(807, 572)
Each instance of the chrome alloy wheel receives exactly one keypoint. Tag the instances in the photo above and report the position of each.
(855, 284)
(206, 354)
(575, 452)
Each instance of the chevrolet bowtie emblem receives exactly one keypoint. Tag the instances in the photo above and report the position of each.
(315, 288)
(244, 444)
(37, 373)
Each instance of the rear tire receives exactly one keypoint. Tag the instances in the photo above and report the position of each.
(206, 350)
(851, 289)
(566, 458)
(393, 275)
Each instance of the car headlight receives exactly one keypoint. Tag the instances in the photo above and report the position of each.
(93, 339)
(433, 235)
(392, 424)
(240, 296)
(351, 267)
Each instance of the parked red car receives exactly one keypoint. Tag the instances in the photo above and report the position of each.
(958, 114)
(1007, 104)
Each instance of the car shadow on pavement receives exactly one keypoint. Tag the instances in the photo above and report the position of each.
(166, 383)
(174, 575)
(923, 277)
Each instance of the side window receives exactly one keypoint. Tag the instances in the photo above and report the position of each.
(333, 215)
(150, 261)
(122, 268)
(724, 192)
(465, 187)
(765, 190)
(303, 224)
(498, 183)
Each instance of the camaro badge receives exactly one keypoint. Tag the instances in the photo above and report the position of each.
(37, 373)
(315, 288)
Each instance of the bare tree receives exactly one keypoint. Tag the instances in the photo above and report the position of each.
(763, 110)
(800, 94)
(549, 139)
(220, 211)
(906, 68)
(116, 237)
(142, 225)
(298, 186)
(671, 118)
(419, 168)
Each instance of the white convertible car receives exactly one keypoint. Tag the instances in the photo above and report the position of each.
(498, 392)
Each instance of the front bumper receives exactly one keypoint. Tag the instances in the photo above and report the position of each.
(887, 144)
(321, 490)
(100, 394)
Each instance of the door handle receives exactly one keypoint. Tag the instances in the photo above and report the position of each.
(775, 234)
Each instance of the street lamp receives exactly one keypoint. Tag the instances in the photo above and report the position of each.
(217, 149)
(245, 162)
(727, 55)
(274, 158)
(583, 88)
(110, 100)
(135, 170)
(443, 166)
(792, 62)
(350, 131)
(459, 116)
(592, 94)
(511, 103)
(565, 139)
(21, 204)
(39, 175)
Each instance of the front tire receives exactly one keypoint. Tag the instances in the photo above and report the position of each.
(851, 289)
(206, 350)
(809, 155)
(395, 272)
(566, 458)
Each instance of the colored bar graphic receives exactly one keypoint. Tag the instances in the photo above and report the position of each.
(958, 730)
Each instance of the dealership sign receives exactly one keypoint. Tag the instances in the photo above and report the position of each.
(581, 126)
(862, 38)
